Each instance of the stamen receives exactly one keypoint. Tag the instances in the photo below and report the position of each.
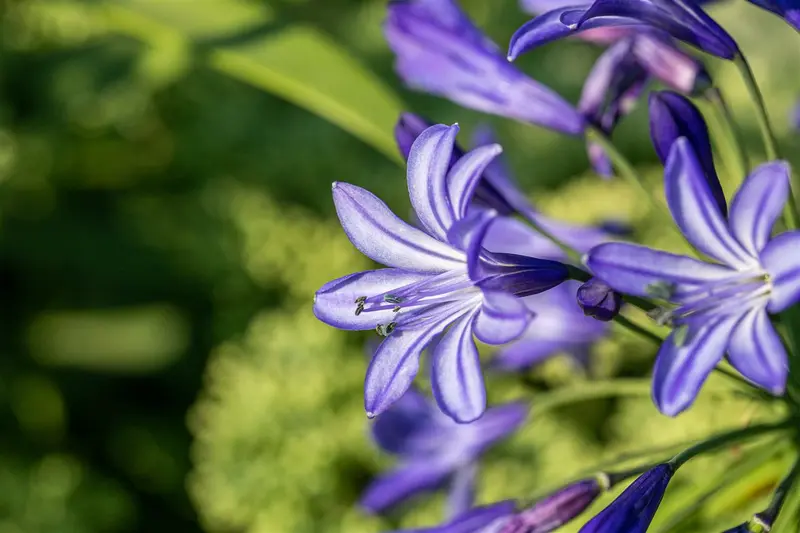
(385, 331)
(360, 300)
(391, 299)
(662, 290)
(359, 308)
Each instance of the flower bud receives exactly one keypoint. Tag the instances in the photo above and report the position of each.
(598, 300)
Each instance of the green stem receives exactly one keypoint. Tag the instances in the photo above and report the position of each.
(638, 330)
(732, 145)
(725, 439)
(791, 215)
(779, 497)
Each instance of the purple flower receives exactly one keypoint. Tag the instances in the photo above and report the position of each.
(440, 51)
(673, 116)
(433, 450)
(683, 20)
(440, 280)
(789, 10)
(598, 300)
(719, 306)
(633, 510)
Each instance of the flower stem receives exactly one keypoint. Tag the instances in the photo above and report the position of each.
(791, 215)
(730, 140)
(725, 439)
(779, 497)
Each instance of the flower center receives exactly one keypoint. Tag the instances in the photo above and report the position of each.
(439, 292)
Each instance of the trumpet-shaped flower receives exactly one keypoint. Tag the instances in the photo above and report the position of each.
(718, 306)
(440, 51)
(441, 284)
(434, 450)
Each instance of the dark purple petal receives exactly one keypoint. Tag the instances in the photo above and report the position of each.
(695, 210)
(756, 350)
(428, 163)
(634, 269)
(520, 275)
(465, 176)
(634, 509)
(556, 24)
(461, 496)
(664, 60)
(335, 304)
(401, 428)
(467, 234)
(381, 236)
(673, 116)
(598, 300)
(682, 19)
(682, 366)
(557, 509)
(404, 482)
(456, 379)
(396, 361)
(473, 521)
(782, 261)
(502, 318)
(758, 204)
(440, 51)
(599, 36)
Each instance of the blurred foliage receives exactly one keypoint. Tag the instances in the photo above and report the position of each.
(165, 218)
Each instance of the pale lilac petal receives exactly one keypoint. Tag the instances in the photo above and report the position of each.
(457, 380)
(468, 234)
(465, 176)
(695, 210)
(502, 318)
(756, 350)
(634, 269)
(680, 371)
(405, 481)
(335, 304)
(781, 258)
(380, 235)
(461, 496)
(396, 361)
(758, 204)
(428, 163)
(535, 7)
(512, 236)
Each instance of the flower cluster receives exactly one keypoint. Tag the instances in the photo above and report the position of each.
(479, 261)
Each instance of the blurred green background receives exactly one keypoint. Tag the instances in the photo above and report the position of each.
(165, 217)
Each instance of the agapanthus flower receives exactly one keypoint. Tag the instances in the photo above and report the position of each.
(718, 306)
(434, 450)
(439, 50)
(789, 10)
(634, 509)
(440, 281)
(673, 116)
(683, 20)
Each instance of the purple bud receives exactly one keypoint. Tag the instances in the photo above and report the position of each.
(673, 116)
(598, 300)
(555, 510)
(634, 509)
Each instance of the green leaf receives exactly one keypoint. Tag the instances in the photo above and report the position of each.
(296, 63)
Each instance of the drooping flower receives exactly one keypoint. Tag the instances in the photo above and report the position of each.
(440, 51)
(721, 306)
(440, 280)
(789, 10)
(683, 20)
(434, 450)
(634, 509)
(673, 116)
(598, 300)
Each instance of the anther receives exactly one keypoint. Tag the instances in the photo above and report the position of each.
(360, 308)
(361, 300)
(663, 290)
(396, 309)
(392, 299)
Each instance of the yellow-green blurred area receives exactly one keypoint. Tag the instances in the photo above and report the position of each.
(165, 217)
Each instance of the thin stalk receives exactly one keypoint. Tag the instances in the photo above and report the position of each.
(791, 215)
(732, 146)
(725, 439)
(779, 497)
